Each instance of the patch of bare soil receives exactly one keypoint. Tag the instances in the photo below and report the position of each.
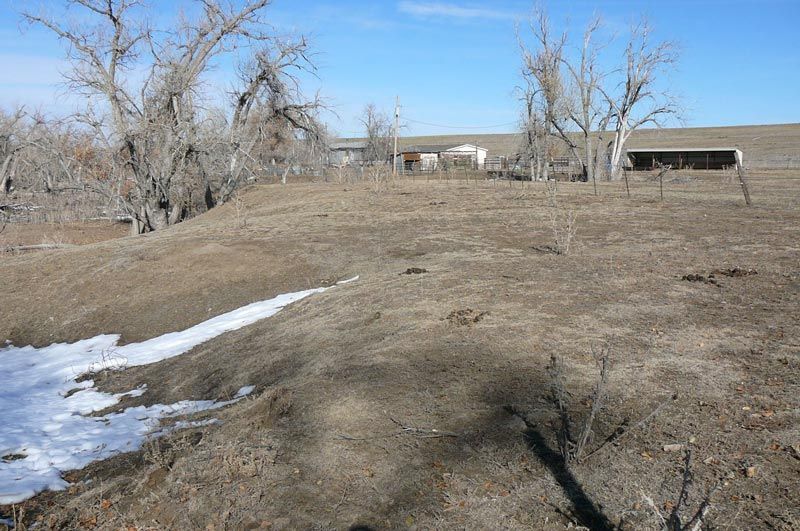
(735, 272)
(466, 317)
(373, 408)
(711, 278)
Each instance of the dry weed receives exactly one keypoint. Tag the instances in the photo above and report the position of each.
(572, 447)
(563, 221)
(239, 210)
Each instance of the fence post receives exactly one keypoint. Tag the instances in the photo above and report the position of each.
(627, 188)
(742, 179)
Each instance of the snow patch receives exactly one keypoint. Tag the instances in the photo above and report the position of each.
(45, 429)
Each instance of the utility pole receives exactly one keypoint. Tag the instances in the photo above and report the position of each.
(396, 125)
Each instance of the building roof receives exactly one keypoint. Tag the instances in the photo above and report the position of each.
(427, 148)
(470, 147)
(680, 150)
(349, 144)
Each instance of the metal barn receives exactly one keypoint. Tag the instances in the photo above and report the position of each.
(683, 158)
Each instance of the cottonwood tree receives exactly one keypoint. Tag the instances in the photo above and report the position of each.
(271, 110)
(378, 132)
(545, 89)
(535, 137)
(579, 101)
(146, 97)
(587, 110)
(637, 100)
(49, 162)
(13, 139)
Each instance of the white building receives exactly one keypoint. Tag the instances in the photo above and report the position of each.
(467, 151)
(432, 156)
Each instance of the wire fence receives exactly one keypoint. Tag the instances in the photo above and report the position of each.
(774, 186)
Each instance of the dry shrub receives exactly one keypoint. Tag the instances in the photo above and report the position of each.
(674, 521)
(571, 445)
(379, 178)
(563, 221)
(239, 210)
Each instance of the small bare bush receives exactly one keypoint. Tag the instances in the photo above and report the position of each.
(563, 221)
(239, 210)
(378, 177)
(674, 521)
(573, 447)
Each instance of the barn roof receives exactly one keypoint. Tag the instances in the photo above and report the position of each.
(428, 148)
(680, 149)
(349, 144)
(469, 147)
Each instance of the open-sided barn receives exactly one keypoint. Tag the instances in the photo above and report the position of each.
(684, 158)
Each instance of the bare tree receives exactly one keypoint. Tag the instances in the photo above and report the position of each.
(12, 141)
(637, 101)
(534, 133)
(579, 102)
(151, 127)
(378, 130)
(586, 113)
(545, 89)
(271, 108)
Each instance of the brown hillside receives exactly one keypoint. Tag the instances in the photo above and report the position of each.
(397, 402)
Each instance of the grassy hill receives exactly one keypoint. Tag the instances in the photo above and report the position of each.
(423, 400)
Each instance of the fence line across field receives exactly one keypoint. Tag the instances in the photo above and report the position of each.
(84, 204)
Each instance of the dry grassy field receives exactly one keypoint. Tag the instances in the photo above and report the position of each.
(424, 400)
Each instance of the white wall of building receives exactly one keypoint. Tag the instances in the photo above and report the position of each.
(469, 149)
(428, 161)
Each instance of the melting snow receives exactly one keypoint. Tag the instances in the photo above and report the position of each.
(44, 427)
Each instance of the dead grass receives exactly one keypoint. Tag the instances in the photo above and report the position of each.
(339, 376)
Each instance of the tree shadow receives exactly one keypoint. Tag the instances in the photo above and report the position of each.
(584, 510)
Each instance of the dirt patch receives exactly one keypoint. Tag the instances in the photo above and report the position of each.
(693, 277)
(735, 272)
(466, 317)
(711, 278)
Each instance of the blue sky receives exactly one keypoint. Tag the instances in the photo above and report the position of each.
(456, 63)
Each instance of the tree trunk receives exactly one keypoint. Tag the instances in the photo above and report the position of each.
(6, 180)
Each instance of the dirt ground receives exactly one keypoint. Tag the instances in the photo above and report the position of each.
(14, 235)
(420, 398)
